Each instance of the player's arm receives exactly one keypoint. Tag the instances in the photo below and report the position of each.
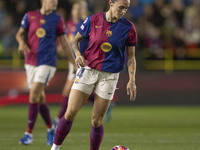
(80, 60)
(23, 47)
(66, 47)
(131, 86)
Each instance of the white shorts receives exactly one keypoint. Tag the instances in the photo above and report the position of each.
(41, 74)
(103, 83)
(71, 76)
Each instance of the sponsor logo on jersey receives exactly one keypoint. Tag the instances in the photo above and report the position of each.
(33, 17)
(106, 47)
(109, 33)
(98, 27)
(42, 21)
(40, 32)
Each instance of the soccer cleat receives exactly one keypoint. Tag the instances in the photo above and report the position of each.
(50, 136)
(27, 139)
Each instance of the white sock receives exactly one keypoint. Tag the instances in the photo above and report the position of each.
(30, 134)
(50, 129)
(57, 119)
(55, 147)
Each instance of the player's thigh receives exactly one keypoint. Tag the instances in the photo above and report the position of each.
(30, 74)
(76, 100)
(99, 109)
(67, 88)
(36, 91)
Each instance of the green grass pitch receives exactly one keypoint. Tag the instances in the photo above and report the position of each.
(137, 127)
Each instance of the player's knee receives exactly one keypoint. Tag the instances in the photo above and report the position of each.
(97, 121)
(34, 97)
(70, 115)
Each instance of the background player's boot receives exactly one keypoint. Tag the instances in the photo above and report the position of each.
(55, 122)
(27, 139)
(50, 136)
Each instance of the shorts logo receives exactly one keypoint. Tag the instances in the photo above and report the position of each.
(77, 80)
(40, 32)
(106, 47)
(109, 33)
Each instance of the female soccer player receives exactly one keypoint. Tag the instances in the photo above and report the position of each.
(72, 26)
(43, 26)
(109, 33)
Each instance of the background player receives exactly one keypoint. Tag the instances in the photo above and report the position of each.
(43, 26)
(108, 32)
(78, 14)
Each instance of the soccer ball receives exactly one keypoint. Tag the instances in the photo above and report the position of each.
(119, 147)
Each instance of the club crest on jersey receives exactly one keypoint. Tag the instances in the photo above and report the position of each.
(106, 47)
(42, 21)
(40, 32)
(109, 33)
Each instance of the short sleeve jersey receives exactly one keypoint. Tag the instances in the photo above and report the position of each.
(42, 33)
(107, 42)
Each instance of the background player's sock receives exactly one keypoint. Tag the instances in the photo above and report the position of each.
(62, 130)
(63, 107)
(32, 116)
(45, 113)
(96, 136)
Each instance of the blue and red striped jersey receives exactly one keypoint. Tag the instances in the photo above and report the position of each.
(107, 42)
(42, 33)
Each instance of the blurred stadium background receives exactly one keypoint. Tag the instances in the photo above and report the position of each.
(168, 50)
(168, 64)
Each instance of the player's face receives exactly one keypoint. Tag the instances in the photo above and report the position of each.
(119, 8)
(76, 11)
(51, 4)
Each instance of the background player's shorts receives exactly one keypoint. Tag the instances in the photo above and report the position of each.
(71, 76)
(103, 83)
(41, 74)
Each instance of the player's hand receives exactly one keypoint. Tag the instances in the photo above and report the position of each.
(131, 90)
(80, 60)
(23, 49)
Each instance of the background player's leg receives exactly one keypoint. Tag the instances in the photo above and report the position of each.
(34, 98)
(76, 99)
(45, 113)
(99, 109)
(65, 94)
